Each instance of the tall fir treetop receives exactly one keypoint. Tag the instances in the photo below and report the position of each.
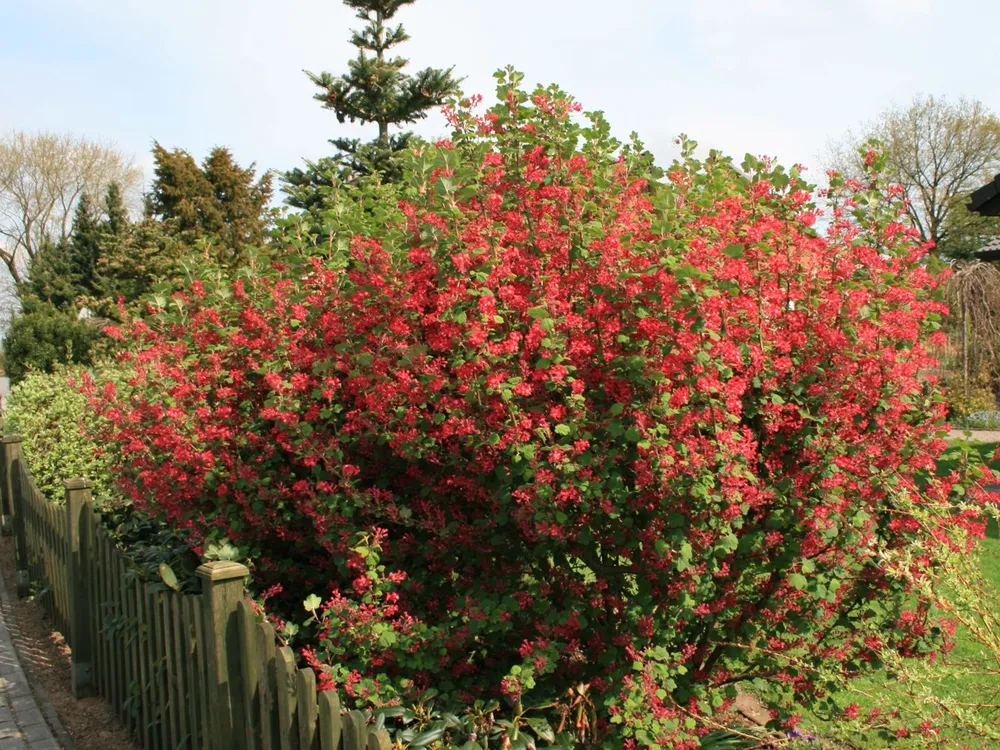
(373, 90)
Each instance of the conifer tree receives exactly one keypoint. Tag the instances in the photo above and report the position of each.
(64, 271)
(374, 90)
(219, 201)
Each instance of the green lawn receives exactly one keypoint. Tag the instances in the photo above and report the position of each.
(880, 695)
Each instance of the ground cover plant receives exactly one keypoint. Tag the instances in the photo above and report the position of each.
(536, 425)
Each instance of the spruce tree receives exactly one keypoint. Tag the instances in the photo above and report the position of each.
(63, 272)
(374, 90)
(219, 201)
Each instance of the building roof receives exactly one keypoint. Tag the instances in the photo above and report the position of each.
(990, 251)
(986, 200)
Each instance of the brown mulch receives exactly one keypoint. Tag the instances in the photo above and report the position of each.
(44, 655)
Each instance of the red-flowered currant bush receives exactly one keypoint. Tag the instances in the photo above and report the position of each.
(540, 425)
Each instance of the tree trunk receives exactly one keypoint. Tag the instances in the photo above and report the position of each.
(965, 347)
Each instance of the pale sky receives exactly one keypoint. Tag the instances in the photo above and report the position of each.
(776, 77)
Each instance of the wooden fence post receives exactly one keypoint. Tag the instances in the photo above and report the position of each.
(13, 463)
(11, 444)
(222, 586)
(79, 512)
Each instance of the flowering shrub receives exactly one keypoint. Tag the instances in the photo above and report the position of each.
(47, 413)
(552, 430)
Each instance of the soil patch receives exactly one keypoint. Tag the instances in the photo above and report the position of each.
(44, 656)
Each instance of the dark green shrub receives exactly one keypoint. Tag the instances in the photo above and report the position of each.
(43, 337)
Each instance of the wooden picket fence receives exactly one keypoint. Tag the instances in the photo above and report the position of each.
(180, 670)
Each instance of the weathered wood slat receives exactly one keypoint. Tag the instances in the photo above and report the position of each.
(110, 623)
(145, 733)
(115, 642)
(268, 686)
(180, 672)
(305, 694)
(249, 670)
(96, 636)
(355, 735)
(160, 686)
(287, 705)
(171, 670)
(134, 686)
(155, 704)
(205, 702)
(379, 740)
(330, 724)
(193, 696)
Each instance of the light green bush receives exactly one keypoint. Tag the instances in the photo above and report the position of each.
(47, 412)
(977, 398)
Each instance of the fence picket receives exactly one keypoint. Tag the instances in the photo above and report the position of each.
(330, 723)
(203, 674)
(287, 705)
(354, 731)
(305, 693)
(379, 740)
(62, 569)
(145, 733)
(179, 665)
(156, 645)
(172, 730)
(190, 670)
(103, 596)
(249, 668)
(96, 636)
(151, 659)
(267, 680)
(133, 689)
(116, 653)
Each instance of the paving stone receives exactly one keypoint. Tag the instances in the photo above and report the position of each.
(29, 717)
(37, 733)
(9, 731)
(49, 744)
(21, 702)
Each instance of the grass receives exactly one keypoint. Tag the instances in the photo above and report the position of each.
(878, 694)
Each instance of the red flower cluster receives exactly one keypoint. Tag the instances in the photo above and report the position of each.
(662, 435)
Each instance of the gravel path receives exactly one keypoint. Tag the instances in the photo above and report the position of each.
(983, 436)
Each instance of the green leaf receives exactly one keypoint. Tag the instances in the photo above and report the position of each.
(543, 729)
(426, 738)
(735, 251)
(538, 312)
(563, 429)
(312, 603)
(798, 581)
(169, 577)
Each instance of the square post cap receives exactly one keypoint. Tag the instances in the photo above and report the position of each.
(222, 570)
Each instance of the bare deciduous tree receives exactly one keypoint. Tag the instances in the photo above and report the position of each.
(42, 176)
(938, 150)
(973, 294)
